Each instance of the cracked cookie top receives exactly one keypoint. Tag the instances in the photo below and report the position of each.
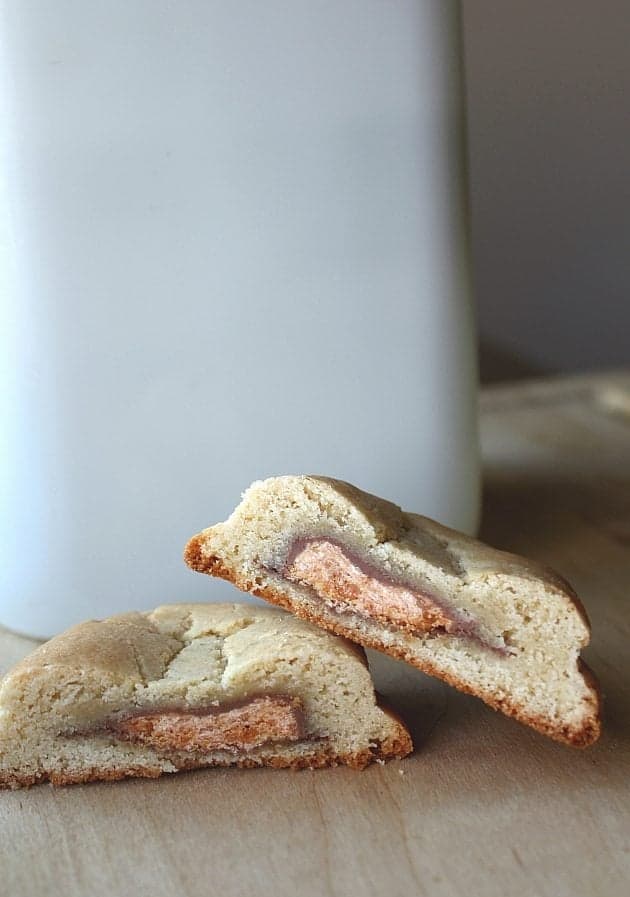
(179, 656)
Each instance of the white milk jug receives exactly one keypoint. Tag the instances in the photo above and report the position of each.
(233, 245)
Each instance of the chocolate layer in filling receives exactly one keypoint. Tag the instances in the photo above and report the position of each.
(240, 727)
(349, 583)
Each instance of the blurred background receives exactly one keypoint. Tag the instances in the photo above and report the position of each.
(549, 135)
(226, 223)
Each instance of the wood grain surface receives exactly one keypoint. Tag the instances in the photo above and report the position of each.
(484, 807)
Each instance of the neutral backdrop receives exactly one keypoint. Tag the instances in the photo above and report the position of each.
(548, 88)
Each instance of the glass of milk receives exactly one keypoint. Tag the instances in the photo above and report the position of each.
(233, 245)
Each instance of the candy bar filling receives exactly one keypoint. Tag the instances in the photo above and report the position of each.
(248, 725)
(347, 583)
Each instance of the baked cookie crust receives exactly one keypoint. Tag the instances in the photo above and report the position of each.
(188, 686)
(493, 624)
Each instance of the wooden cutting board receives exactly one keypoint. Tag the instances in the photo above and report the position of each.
(484, 807)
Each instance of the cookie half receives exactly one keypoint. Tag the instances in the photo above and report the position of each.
(186, 686)
(493, 624)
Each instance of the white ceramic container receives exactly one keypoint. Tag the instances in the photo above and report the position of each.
(233, 245)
